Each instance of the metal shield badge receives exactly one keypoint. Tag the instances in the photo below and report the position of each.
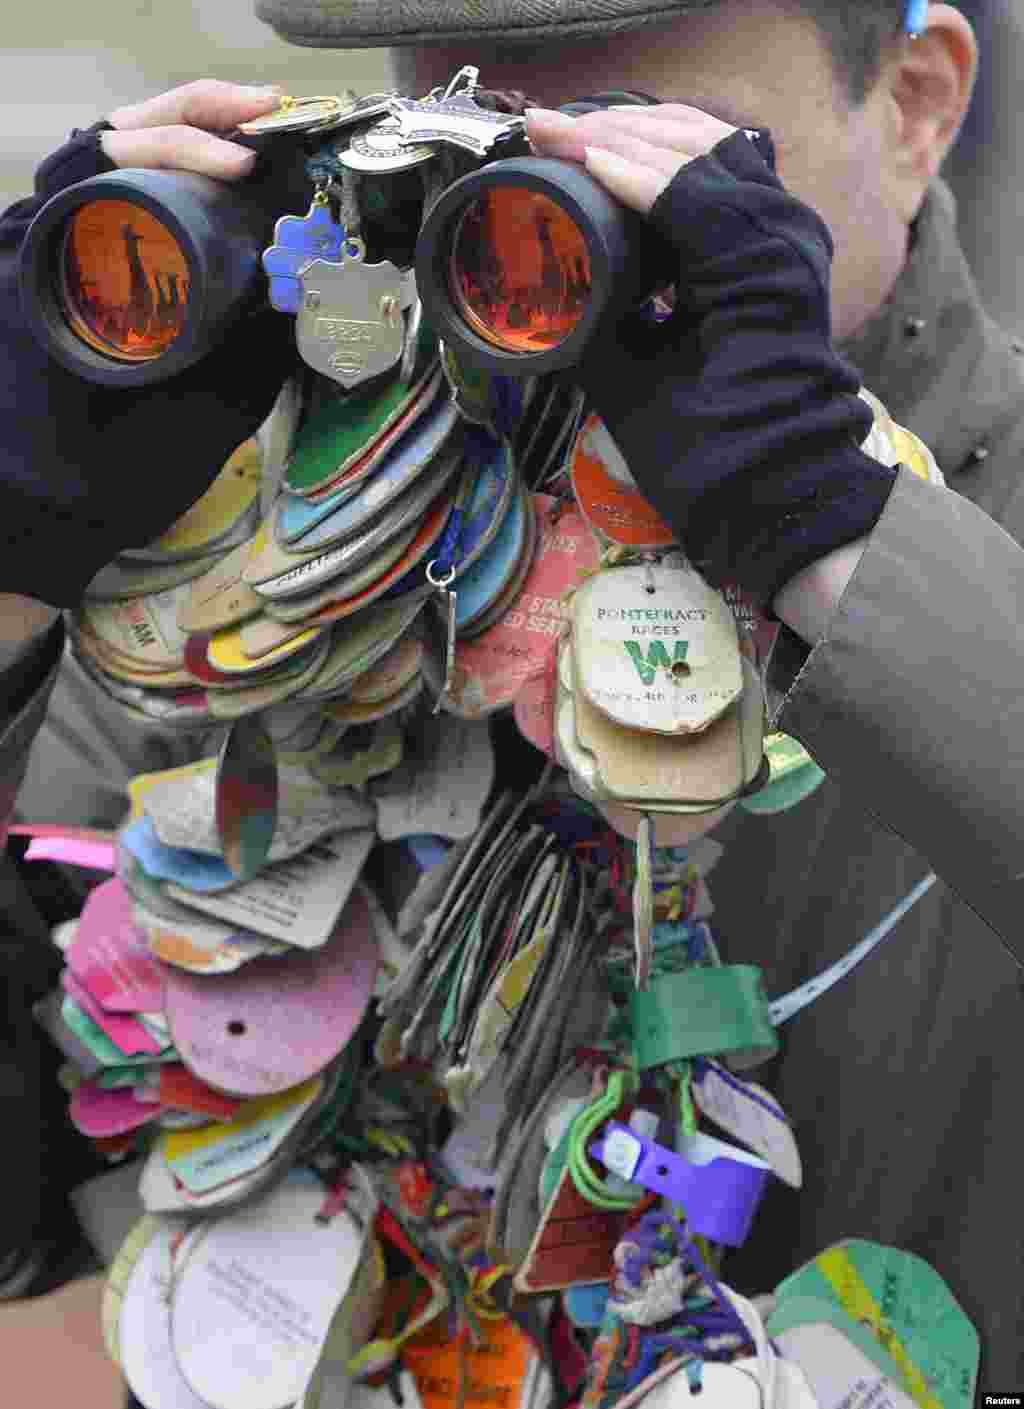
(350, 325)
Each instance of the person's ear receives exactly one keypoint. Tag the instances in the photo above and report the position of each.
(928, 83)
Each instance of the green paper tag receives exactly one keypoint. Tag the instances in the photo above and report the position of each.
(113, 1078)
(702, 1013)
(340, 430)
(909, 1311)
(97, 1041)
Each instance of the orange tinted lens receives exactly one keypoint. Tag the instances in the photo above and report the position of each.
(125, 281)
(520, 270)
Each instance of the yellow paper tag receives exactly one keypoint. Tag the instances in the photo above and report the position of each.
(893, 444)
(178, 1144)
(223, 504)
(225, 650)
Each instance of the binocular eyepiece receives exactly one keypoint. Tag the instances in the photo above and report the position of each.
(133, 276)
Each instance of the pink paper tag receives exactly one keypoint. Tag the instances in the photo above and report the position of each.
(535, 706)
(102, 1113)
(110, 958)
(491, 669)
(91, 855)
(125, 1033)
(276, 1022)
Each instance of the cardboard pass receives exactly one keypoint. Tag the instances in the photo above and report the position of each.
(275, 1023)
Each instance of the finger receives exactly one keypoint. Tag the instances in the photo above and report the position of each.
(179, 149)
(686, 127)
(207, 103)
(635, 186)
(556, 134)
(572, 145)
(679, 112)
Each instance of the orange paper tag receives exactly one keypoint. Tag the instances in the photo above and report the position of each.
(499, 1373)
(607, 494)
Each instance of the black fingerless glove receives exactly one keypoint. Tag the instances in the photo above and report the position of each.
(87, 471)
(737, 418)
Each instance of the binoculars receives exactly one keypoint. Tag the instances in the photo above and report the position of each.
(132, 276)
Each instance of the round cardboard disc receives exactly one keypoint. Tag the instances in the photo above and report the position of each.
(245, 699)
(297, 516)
(656, 648)
(220, 597)
(435, 435)
(487, 579)
(113, 664)
(301, 576)
(124, 579)
(348, 584)
(492, 668)
(100, 1113)
(276, 1022)
(359, 643)
(272, 642)
(351, 712)
(492, 499)
(218, 515)
(145, 629)
(392, 672)
(494, 613)
(607, 494)
(427, 535)
(126, 1283)
(337, 434)
(254, 1301)
(534, 707)
(198, 665)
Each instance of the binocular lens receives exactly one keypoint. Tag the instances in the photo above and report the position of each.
(519, 270)
(124, 281)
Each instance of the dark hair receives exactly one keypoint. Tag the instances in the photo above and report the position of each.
(858, 35)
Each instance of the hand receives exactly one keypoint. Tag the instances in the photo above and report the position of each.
(70, 492)
(737, 418)
(633, 152)
(177, 131)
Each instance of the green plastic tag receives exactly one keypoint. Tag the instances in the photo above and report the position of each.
(909, 1311)
(794, 776)
(339, 431)
(703, 1013)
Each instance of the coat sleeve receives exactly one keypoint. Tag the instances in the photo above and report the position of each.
(25, 691)
(914, 699)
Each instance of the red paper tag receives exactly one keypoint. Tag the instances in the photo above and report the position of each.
(574, 1245)
(491, 669)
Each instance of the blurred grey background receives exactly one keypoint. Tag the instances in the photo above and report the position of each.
(56, 74)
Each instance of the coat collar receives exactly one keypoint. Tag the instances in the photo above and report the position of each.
(940, 364)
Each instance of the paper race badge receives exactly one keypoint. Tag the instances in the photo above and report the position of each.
(607, 494)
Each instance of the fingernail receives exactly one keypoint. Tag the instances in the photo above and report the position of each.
(550, 115)
(600, 156)
(272, 90)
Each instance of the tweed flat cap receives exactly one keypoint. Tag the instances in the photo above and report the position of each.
(386, 24)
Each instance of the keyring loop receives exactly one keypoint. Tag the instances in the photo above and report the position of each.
(440, 582)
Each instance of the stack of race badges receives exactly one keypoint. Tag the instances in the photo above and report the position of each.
(345, 994)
